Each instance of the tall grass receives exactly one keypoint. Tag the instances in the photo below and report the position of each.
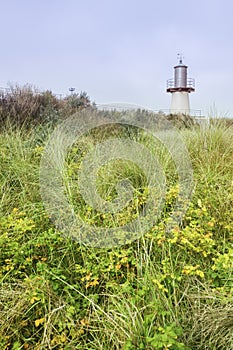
(157, 292)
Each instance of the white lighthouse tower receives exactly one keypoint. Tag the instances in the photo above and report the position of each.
(180, 86)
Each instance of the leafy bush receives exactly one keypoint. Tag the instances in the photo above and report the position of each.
(26, 106)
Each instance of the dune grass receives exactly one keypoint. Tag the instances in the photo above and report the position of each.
(158, 292)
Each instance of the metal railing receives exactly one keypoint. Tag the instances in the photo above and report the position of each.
(189, 84)
(191, 112)
(132, 107)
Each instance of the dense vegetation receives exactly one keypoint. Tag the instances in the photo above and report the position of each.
(25, 106)
(158, 292)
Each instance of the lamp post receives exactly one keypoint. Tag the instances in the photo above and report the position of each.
(71, 89)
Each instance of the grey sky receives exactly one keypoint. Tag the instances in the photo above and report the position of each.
(120, 51)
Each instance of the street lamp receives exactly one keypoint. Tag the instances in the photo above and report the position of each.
(71, 89)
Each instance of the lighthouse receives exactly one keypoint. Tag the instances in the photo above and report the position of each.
(180, 87)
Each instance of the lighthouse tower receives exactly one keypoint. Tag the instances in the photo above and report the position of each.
(180, 86)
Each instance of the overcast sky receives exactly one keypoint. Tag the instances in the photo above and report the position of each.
(120, 50)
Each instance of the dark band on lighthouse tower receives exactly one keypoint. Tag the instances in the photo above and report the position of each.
(180, 87)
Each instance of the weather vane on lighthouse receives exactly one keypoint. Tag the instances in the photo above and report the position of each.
(180, 57)
(180, 86)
